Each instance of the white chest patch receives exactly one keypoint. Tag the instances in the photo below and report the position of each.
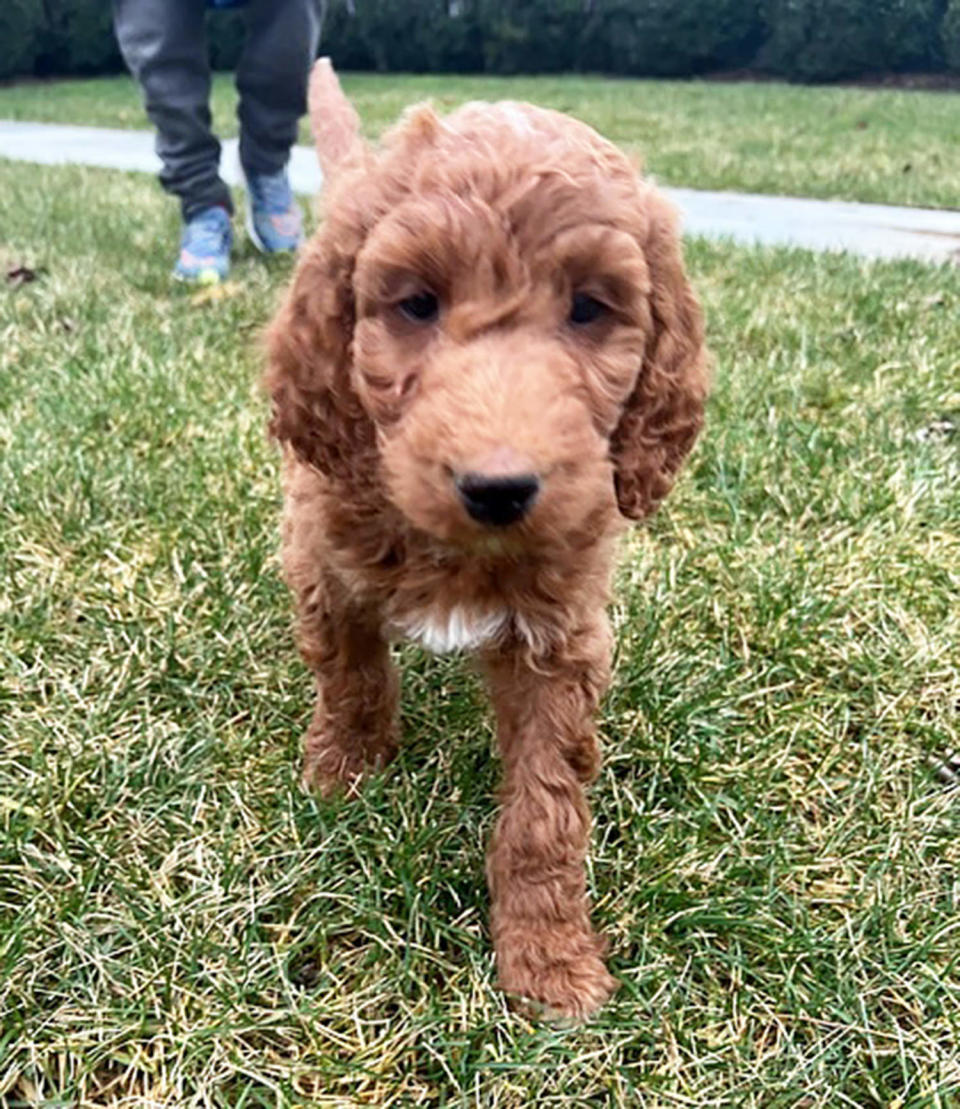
(460, 629)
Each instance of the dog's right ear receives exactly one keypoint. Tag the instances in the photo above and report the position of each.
(315, 408)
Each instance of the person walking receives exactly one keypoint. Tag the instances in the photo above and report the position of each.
(164, 45)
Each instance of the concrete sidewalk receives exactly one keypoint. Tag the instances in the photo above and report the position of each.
(870, 230)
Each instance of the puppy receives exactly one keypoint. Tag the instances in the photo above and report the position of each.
(488, 358)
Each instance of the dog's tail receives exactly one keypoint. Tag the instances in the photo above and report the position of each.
(333, 119)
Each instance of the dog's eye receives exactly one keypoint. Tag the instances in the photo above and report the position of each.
(420, 308)
(585, 309)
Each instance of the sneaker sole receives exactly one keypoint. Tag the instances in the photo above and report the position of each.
(251, 230)
(204, 277)
(255, 238)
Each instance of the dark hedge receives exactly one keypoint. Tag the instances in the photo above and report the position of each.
(802, 40)
(821, 40)
(950, 35)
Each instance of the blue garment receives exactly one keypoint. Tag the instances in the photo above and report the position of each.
(164, 44)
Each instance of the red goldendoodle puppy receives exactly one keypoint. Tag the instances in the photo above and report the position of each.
(489, 355)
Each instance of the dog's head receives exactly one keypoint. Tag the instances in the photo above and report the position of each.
(494, 323)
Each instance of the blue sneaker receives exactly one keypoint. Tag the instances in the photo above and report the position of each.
(274, 219)
(205, 248)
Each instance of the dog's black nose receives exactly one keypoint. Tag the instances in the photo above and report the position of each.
(498, 500)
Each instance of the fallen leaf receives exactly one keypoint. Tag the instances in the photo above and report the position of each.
(939, 429)
(21, 275)
(211, 294)
(946, 766)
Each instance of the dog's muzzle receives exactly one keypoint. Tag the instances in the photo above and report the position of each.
(499, 500)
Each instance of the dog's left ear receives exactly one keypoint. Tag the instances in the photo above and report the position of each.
(664, 412)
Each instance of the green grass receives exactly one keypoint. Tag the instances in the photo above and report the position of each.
(777, 845)
(895, 147)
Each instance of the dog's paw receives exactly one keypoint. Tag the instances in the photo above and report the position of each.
(331, 770)
(553, 975)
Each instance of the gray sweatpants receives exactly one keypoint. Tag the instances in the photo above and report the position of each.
(164, 46)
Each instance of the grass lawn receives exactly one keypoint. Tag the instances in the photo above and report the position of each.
(894, 147)
(777, 843)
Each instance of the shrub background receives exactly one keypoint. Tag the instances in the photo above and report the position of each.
(801, 40)
(950, 35)
(819, 40)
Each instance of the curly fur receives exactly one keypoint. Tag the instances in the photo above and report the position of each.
(504, 212)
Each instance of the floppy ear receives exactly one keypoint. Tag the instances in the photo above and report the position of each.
(315, 407)
(664, 412)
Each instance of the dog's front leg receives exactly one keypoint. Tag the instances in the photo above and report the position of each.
(546, 950)
(354, 727)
